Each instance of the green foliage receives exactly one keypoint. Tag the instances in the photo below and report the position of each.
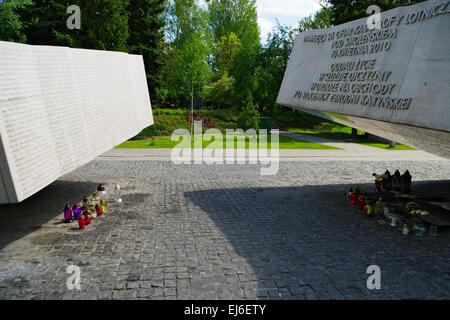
(154, 130)
(272, 64)
(228, 46)
(220, 92)
(104, 24)
(187, 67)
(239, 17)
(348, 10)
(249, 117)
(11, 26)
(172, 112)
(146, 37)
(272, 61)
(322, 19)
(41, 19)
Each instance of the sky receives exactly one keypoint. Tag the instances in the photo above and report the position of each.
(288, 12)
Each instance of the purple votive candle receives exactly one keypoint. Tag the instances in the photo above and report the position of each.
(76, 211)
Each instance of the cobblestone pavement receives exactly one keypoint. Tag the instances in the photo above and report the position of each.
(221, 232)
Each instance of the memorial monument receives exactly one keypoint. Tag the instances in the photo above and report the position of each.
(60, 108)
(392, 80)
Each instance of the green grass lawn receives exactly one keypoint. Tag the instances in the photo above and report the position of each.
(168, 120)
(166, 142)
(345, 134)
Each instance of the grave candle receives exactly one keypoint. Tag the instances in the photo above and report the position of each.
(67, 213)
(77, 210)
(94, 200)
(117, 198)
(361, 202)
(98, 209)
(103, 205)
(87, 214)
(81, 222)
(103, 195)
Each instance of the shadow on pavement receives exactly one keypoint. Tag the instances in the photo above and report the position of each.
(300, 244)
(18, 220)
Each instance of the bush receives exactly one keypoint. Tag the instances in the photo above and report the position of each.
(221, 92)
(171, 112)
(249, 117)
(227, 115)
(156, 129)
(207, 121)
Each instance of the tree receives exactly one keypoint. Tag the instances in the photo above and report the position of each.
(238, 17)
(11, 25)
(104, 24)
(322, 19)
(349, 10)
(248, 117)
(189, 49)
(41, 19)
(228, 46)
(220, 92)
(272, 62)
(272, 65)
(146, 37)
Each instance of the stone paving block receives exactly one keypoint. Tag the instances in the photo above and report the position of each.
(231, 235)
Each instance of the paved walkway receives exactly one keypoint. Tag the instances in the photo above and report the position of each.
(221, 232)
(350, 152)
(345, 145)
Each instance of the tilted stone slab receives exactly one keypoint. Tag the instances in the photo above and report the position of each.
(399, 73)
(60, 108)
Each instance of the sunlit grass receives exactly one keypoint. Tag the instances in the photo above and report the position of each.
(166, 142)
(345, 134)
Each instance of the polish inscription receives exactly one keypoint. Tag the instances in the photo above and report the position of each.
(353, 76)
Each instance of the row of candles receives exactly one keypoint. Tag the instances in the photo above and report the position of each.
(369, 208)
(91, 207)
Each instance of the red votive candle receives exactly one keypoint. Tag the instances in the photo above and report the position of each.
(81, 222)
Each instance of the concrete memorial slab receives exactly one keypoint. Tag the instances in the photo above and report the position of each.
(60, 108)
(392, 81)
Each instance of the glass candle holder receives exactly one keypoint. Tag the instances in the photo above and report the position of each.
(81, 222)
(77, 211)
(103, 205)
(88, 219)
(354, 197)
(86, 203)
(103, 195)
(98, 209)
(405, 229)
(394, 220)
(67, 213)
(117, 198)
(433, 229)
(95, 199)
(361, 202)
(419, 229)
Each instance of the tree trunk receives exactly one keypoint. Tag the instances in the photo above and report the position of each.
(192, 111)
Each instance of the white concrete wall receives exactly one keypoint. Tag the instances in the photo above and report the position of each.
(418, 58)
(61, 107)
